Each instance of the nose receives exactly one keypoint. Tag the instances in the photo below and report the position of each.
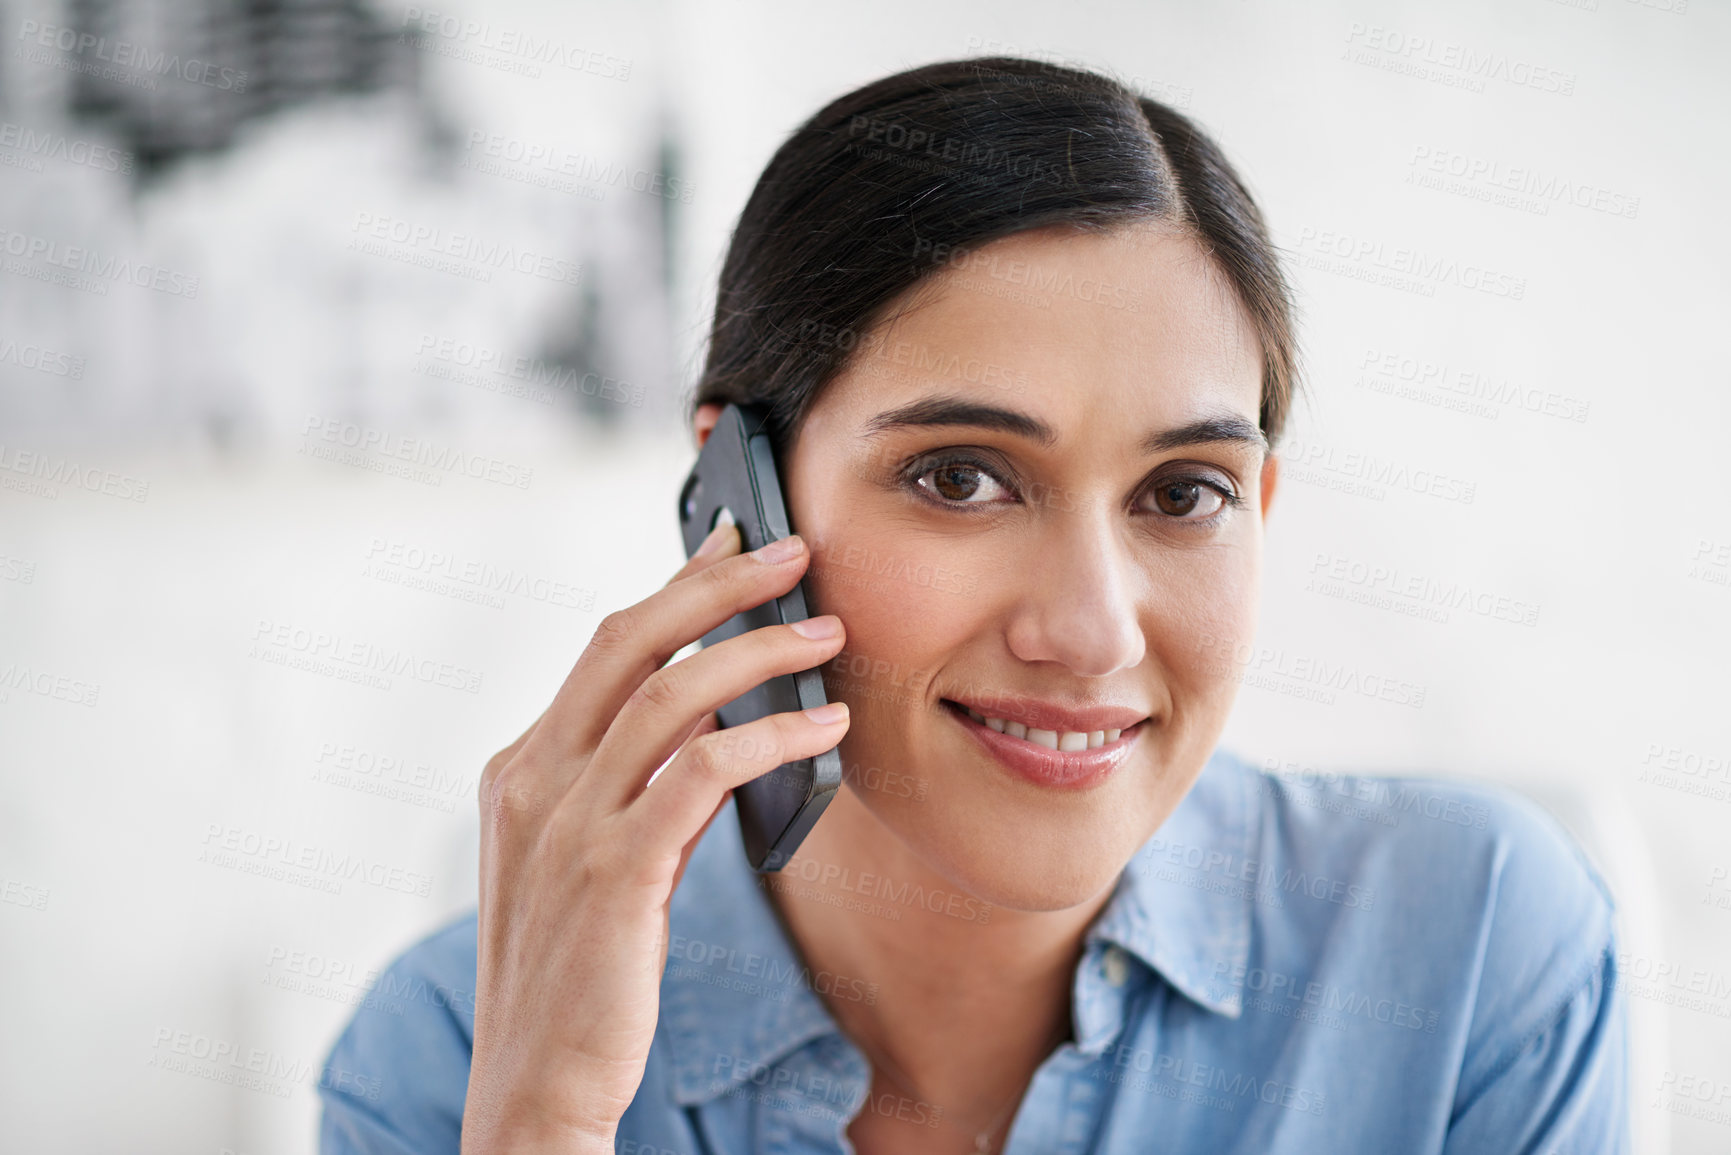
(1079, 605)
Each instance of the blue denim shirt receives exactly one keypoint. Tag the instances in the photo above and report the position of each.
(1329, 964)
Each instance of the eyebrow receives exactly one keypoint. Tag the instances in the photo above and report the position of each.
(957, 411)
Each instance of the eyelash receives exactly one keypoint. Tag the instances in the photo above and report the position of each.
(910, 474)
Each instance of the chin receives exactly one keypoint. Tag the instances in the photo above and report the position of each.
(1013, 846)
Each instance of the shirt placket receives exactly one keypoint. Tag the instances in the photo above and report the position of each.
(1062, 1110)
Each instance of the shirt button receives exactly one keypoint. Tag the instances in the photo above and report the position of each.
(1116, 965)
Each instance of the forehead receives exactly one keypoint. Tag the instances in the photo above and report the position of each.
(1136, 325)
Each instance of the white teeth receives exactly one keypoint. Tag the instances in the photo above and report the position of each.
(1064, 740)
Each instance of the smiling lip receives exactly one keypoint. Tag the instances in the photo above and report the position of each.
(1040, 715)
(1056, 769)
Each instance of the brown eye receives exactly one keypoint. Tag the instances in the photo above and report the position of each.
(960, 482)
(1182, 497)
(955, 482)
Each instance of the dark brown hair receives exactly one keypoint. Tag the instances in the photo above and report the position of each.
(888, 183)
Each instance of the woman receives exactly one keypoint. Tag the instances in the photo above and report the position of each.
(1026, 348)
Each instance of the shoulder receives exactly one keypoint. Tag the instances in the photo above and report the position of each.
(398, 1075)
(1471, 880)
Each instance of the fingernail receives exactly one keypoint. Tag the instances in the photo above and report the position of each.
(714, 540)
(780, 550)
(827, 626)
(828, 714)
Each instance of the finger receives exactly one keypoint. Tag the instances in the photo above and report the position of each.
(633, 643)
(653, 723)
(485, 796)
(685, 855)
(676, 804)
(707, 724)
(723, 542)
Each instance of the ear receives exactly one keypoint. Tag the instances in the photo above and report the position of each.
(704, 420)
(1270, 477)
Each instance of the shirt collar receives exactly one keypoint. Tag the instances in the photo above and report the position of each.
(1184, 903)
(735, 999)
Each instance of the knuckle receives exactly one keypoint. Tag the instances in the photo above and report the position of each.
(664, 689)
(708, 758)
(613, 631)
(506, 797)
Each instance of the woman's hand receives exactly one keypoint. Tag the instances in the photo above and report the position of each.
(580, 852)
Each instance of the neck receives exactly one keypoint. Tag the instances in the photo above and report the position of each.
(970, 999)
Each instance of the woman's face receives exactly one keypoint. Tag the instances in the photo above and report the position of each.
(1018, 539)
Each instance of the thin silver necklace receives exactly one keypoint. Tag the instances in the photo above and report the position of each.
(982, 1139)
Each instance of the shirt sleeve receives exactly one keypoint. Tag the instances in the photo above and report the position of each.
(1561, 1091)
(397, 1077)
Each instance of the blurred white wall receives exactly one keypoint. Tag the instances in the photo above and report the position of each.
(1542, 424)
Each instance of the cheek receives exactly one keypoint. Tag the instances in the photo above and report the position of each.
(1203, 617)
(904, 608)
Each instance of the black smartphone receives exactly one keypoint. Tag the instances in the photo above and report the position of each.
(735, 475)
